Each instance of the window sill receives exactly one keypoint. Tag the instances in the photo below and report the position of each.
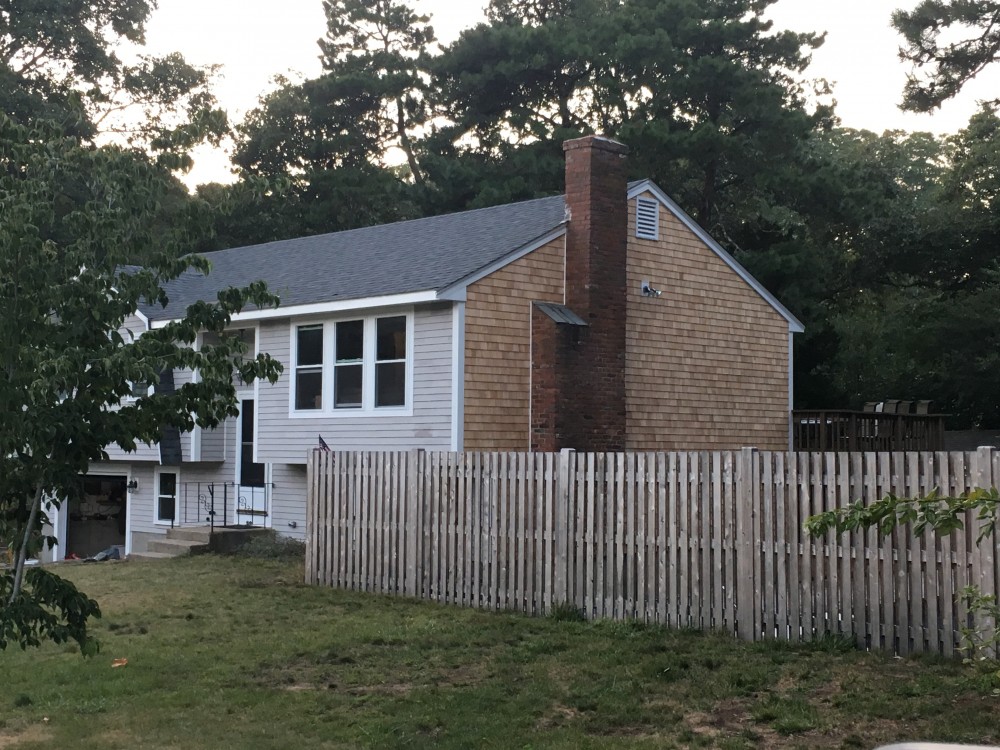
(385, 412)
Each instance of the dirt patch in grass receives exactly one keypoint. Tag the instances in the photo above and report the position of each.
(557, 716)
(36, 734)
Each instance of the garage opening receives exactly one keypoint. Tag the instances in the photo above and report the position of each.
(97, 520)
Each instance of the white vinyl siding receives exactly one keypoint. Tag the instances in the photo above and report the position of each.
(285, 437)
(288, 500)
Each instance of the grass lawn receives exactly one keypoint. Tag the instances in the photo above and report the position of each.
(228, 652)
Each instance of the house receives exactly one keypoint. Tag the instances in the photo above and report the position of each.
(605, 319)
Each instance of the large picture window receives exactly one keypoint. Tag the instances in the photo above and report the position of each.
(352, 365)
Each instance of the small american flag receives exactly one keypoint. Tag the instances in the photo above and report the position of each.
(322, 444)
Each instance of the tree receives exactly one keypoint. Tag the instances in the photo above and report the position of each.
(333, 139)
(705, 93)
(947, 65)
(72, 216)
(59, 61)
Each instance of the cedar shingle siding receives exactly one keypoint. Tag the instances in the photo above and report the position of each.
(706, 362)
(497, 347)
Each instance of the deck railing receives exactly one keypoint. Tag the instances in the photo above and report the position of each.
(840, 430)
(222, 504)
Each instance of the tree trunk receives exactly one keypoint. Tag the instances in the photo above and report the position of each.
(22, 551)
(406, 145)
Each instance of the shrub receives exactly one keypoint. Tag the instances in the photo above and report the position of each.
(270, 546)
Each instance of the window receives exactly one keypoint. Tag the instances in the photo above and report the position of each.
(166, 497)
(138, 390)
(251, 474)
(390, 361)
(349, 367)
(647, 218)
(363, 365)
(309, 368)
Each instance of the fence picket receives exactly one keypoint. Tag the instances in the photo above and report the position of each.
(845, 550)
(781, 551)
(859, 563)
(728, 542)
(673, 572)
(768, 610)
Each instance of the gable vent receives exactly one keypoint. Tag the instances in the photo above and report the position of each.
(647, 219)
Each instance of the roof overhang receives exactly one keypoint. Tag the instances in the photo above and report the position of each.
(648, 186)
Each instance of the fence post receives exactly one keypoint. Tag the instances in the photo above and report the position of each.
(983, 559)
(311, 572)
(743, 576)
(412, 531)
(561, 532)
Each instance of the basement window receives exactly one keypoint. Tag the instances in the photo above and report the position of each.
(647, 218)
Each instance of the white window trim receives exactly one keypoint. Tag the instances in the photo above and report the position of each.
(368, 409)
(156, 493)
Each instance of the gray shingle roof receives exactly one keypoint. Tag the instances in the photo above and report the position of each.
(410, 256)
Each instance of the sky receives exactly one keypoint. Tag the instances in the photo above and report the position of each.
(254, 40)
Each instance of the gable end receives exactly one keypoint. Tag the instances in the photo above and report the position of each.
(648, 186)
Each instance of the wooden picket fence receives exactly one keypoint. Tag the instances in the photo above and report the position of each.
(710, 540)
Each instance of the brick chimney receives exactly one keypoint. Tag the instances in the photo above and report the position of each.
(578, 393)
(595, 241)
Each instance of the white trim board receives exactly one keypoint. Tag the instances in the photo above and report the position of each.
(320, 308)
(458, 377)
(794, 324)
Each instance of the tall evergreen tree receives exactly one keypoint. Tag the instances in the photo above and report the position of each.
(949, 43)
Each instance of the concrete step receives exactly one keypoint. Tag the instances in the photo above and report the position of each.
(193, 533)
(150, 556)
(177, 547)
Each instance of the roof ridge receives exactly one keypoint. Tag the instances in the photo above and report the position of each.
(343, 232)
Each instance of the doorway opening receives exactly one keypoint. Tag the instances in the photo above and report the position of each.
(97, 519)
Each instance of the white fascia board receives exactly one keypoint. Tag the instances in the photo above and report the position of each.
(456, 291)
(794, 324)
(141, 316)
(319, 308)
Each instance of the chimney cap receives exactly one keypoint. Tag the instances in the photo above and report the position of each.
(597, 143)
